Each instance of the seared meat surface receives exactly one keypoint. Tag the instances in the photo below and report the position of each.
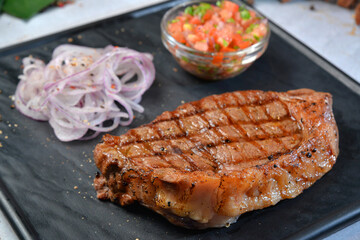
(211, 160)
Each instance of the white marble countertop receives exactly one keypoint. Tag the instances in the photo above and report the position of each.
(14, 30)
(329, 31)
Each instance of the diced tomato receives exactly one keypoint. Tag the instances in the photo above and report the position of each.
(175, 30)
(225, 34)
(252, 14)
(217, 29)
(195, 20)
(216, 18)
(209, 13)
(236, 39)
(246, 23)
(179, 37)
(227, 49)
(201, 46)
(230, 6)
(217, 59)
(237, 17)
(240, 42)
(200, 31)
(225, 14)
(192, 38)
(243, 44)
(210, 28)
(181, 18)
(260, 31)
(175, 27)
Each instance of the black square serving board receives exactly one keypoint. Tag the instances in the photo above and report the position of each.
(46, 185)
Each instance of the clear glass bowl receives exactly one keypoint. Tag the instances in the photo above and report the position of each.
(201, 64)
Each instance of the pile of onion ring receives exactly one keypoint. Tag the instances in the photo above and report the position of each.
(82, 88)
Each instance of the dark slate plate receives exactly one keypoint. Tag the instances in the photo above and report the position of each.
(48, 183)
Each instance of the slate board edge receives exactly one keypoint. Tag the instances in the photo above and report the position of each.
(14, 214)
(334, 222)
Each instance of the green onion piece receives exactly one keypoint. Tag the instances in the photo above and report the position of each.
(205, 6)
(201, 9)
(239, 32)
(204, 68)
(215, 25)
(189, 10)
(199, 12)
(257, 38)
(242, 8)
(174, 20)
(251, 28)
(245, 14)
(185, 59)
(217, 47)
(236, 47)
(219, 3)
(230, 20)
(225, 43)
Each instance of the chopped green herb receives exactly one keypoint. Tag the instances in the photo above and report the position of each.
(230, 20)
(205, 6)
(239, 32)
(218, 3)
(217, 47)
(189, 10)
(185, 59)
(215, 25)
(201, 9)
(242, 8)
(256, 37)
(251, 28)
(174, 20)
(236, 47)
(245, 14)
(225, 43)
(203, 68)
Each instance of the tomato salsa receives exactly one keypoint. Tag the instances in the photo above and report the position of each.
(224, 27)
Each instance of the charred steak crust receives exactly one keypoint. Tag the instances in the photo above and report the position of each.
(211, 160)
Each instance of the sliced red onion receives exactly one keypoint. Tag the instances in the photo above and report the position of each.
(81, 88)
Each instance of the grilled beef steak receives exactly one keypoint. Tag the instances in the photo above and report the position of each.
(211, 160)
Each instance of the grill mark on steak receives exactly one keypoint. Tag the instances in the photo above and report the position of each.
(147, 146)
(201, 147)
(164, 151)
(222, 106)
(239, 127)
(277, 140)
(205, 153)
(204, 148)
(184, 134)
(186, 157)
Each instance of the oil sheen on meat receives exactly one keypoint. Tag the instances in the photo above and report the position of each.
(209, 161)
